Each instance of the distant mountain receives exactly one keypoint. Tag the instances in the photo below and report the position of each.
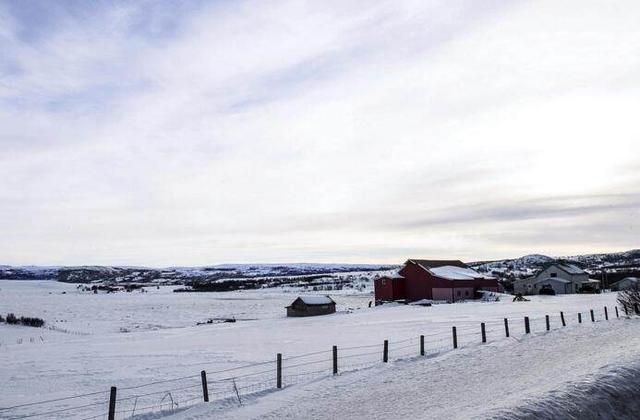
(237, 276)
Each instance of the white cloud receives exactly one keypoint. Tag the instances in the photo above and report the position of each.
(283, 131)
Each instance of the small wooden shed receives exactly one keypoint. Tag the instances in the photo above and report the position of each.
(311, 306)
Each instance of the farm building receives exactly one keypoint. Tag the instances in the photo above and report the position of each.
(627, 283)
(563, 278)
(445, 280)
(311, 306)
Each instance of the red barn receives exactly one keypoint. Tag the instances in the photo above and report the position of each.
(449, 280)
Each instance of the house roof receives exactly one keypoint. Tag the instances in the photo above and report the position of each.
(556, 279)
(316, 300)
(570, 268)
(438, 263)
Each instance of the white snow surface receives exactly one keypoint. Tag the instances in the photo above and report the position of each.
(557, 375)
(131, 339)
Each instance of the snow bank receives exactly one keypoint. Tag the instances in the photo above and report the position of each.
(612, 394)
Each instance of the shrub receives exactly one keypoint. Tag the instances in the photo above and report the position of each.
(630, 298)
(24, 320)
(31, 322)
(11, 319)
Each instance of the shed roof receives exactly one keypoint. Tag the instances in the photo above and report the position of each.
(316, 300)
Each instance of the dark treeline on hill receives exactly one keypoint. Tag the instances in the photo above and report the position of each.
(319, 280)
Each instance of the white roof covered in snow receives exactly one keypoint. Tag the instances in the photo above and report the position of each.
(456, 273)
(316, 300)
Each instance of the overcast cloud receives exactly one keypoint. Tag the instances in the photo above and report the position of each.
(190, 133)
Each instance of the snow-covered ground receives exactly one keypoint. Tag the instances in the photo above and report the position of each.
(163, 343)
(586, 372)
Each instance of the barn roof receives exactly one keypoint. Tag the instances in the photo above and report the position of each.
(456, 273)
(316, 300)
(439, 263)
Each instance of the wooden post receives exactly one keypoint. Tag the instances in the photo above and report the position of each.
(279, 370)
(592, 317)
(606, 314)
(579, 318)
(385, 351)
(546, 318)
(422, 345)
(335, 360)
(637, 310)
(506, 327)
(205, 389)
(527, 328)
(626, 310)
(455, 337)
(564, 324)
(617, 314)
(483, 332)
(112, 403)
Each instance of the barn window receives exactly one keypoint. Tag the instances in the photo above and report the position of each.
(553, 274)
(466, 293)
(383, 281)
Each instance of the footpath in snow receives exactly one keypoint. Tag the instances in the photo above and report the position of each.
(587, 371)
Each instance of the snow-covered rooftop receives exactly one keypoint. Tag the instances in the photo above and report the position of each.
(316, 300)
(456, 273)
(571, 269)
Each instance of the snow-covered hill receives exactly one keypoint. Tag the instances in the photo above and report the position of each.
(628, 261)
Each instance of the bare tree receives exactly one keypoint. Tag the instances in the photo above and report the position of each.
(629, 299)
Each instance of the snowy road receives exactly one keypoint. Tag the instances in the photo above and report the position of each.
(547, 375)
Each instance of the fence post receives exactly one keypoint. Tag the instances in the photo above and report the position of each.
(617, 314)
(422, 345)
(279, 370)
(455, 337)
(527, 328)
(564, 324)
(506, 327)
(335, 360)
(637, 310)
(205, 389)
(112, 403)
(546, 318)
(483, 332)
(592, 317)
(579, 318)
(626, 310)
(385, 351)
(606, 314)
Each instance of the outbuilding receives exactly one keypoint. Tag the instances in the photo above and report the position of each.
(627, 283)
(311, 306)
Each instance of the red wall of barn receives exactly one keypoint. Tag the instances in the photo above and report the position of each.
(418, 284)
(389, 288)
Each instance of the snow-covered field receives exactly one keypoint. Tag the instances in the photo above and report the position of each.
(162, 342)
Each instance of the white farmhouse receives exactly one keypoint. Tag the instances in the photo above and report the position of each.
(563, 278)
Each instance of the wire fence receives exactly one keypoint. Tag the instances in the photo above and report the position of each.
(233, 385)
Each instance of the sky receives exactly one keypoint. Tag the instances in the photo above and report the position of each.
(200, 132)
